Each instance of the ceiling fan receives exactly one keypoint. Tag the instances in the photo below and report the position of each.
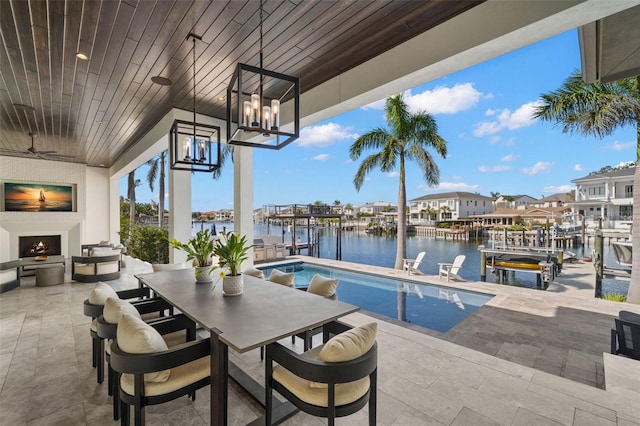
(32, 151)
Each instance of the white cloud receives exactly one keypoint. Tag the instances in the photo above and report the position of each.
(487, 169)
(505, 119)
(509, 157)
(552, 189)
(321, 157)
(577, 168)
(449, 186)
(445, 100)
(393, 174)
(539, 167)
(441, 100)
(495, 139)
(324, 135)
(621, 146)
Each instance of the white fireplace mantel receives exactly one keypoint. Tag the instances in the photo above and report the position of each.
(69, 231)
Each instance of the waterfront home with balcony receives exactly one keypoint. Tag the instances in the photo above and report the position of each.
(514, 201)
(554, 200)
(529, 217)
(606, 196)
(448, 206)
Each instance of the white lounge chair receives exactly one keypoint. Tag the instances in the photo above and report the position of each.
(450, 270)
(411, 265)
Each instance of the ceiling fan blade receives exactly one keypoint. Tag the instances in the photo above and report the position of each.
(47, 152)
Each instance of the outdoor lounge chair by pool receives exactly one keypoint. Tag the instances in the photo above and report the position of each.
(411, 265)
(451, 270)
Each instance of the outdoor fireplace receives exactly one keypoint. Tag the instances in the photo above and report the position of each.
(40, 245)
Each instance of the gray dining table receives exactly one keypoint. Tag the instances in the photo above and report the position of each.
(264, 313)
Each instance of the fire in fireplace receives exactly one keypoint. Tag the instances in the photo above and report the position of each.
(40, 245)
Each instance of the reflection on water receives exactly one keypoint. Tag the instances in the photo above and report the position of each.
(360, 247)
(37, 206)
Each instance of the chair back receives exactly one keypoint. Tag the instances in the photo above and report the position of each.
(628, 329)
(457, 263)
(419, 259)
(326, 378)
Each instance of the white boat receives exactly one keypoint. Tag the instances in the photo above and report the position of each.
(623, 252)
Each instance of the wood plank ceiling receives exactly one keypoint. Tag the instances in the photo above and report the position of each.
(93, 110)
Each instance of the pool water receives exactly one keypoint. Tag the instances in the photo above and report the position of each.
(434, 307)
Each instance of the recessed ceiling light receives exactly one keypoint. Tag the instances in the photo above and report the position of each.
(221, 98)
(162, 81)
(82, 56)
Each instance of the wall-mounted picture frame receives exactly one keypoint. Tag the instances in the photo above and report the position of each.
(38, 197)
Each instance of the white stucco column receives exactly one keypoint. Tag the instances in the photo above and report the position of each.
(179, 211)
(114, 209)
(243, 194)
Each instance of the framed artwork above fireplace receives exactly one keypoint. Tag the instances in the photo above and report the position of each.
(38, 197)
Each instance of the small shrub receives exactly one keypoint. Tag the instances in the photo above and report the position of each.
(149, 243)
(615, 297)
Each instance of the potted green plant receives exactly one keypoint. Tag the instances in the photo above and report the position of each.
(231, 250)
(199, 249)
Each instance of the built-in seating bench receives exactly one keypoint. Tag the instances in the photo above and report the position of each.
(9, 275)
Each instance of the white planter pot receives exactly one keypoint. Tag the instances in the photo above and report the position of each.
(203, 275)
(232, 285)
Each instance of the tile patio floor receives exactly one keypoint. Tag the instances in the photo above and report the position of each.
(526, 358)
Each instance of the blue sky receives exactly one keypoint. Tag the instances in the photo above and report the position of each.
(484, 114)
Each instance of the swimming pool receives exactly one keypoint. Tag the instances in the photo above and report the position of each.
(430, 306)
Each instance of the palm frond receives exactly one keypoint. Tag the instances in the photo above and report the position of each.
(152, 174)
(374, 139)
(367, 165)
(226, 153)
(397, 115)
(591, 109)
(430, 170)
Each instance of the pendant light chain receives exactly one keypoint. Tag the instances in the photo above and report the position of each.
(261, 65)
(194, 93)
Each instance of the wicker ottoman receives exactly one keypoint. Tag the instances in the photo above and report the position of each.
(49, 275)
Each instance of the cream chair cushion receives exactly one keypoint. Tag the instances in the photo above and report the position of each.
(283, 278)
(349, 345)
(106, 267)
(254, 272)
(316, 393)
(104, 251)
(322, 286)
(180, 377)
(137, 337)
(100, 292)
(114, 309)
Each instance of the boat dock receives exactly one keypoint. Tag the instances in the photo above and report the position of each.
(543, 262)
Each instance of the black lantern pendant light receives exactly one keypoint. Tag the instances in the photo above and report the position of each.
(256, 101)
(194, 146)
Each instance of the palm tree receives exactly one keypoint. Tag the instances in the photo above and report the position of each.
(132, 182)
(494, 198)
(156, 170)
(446, 213)
(431, 213)
(598, 109)
(407, 138)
